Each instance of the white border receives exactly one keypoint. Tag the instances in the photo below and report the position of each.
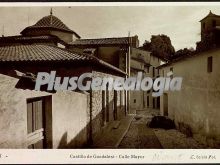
(54, 156)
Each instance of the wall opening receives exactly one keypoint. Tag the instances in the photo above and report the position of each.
(209, 64)
(165, 104)
(39, 122)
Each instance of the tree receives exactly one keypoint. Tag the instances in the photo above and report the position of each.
(183, 52)
(160, 45)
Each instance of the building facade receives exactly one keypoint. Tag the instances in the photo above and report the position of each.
(52, 119)
(195, 108)
(144, 62)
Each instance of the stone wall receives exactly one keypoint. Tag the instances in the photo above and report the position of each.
(97, 108)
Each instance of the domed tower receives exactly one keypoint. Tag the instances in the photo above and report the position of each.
(51, 25)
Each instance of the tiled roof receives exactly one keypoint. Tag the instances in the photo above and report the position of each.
(21, 38)
(37, 53)
(101, 41)
(210, 15)
(50, 21)
(188, 56)
(40, 53)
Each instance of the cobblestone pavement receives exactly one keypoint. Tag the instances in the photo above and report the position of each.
(173, 139)
(139, 135)
(112, 136)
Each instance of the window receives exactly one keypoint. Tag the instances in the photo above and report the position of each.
(134, 100)
(171, 69)
(209, 64)
(213, 23)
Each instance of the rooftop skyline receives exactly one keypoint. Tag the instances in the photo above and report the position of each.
(180, 23)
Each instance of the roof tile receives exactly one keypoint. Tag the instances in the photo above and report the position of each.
(101, 41)
(37, 53)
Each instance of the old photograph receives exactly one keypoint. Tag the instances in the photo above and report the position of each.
(110, 77)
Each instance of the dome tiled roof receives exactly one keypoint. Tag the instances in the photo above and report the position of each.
(52, 22)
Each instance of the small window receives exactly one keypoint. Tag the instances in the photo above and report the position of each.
(213, 23)
(134, 100)
(209, 64)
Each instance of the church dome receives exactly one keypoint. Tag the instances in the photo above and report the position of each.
(50, 22)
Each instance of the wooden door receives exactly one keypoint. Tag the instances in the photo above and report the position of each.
(35, 123)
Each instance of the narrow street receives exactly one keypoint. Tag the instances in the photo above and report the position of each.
(139, 135)
(133, 132)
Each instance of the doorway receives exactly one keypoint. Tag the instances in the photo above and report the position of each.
(165, 104)
(158, 102)
(39, 123)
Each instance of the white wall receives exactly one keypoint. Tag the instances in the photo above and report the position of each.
(197, 104)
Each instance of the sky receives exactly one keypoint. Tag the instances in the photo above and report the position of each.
(180, 23)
